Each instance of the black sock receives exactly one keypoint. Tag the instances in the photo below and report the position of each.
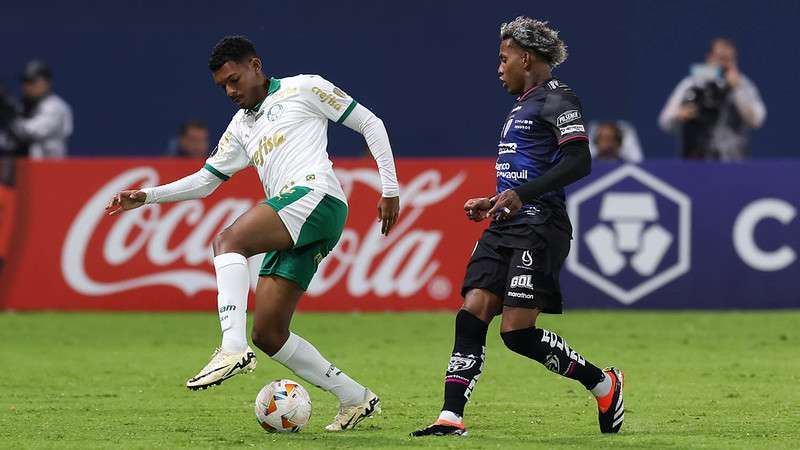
(466, 362)
(552, 350)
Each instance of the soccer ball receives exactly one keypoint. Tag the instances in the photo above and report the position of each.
(283, 406)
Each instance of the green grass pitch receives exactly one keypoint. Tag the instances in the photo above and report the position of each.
(693, 380)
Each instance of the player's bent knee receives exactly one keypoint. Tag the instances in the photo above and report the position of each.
(270, 340)
(482, 304)
(518, 318)
(519, 341)
(226, 242)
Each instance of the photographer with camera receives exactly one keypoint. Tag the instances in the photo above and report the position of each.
(714, 108)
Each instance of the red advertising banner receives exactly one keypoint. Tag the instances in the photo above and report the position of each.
(66, 254)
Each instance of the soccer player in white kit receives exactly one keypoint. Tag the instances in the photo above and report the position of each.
(280, 130)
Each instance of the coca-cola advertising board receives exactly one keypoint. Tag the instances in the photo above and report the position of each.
(67, 254)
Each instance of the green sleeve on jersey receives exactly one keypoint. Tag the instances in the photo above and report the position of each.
(347, 111)
(216, 172)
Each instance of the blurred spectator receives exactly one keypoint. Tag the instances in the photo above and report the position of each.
(9, 111)
(46, 120)
(7, 204)
(714, 108)
(615, 141)
(8, 149)
(191, 142)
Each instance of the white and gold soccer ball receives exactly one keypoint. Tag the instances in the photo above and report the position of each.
(283, 406)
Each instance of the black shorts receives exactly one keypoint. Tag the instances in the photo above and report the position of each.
(520, 263)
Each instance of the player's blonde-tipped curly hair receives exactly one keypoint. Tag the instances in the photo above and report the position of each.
(532, 34)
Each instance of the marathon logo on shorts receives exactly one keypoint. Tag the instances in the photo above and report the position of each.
(557, 341)
(519, 295)
(522, 281)
(567, 117)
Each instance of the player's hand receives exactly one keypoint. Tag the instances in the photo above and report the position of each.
(476, 208)
(124, 201)
(388, 211)
(506, 204)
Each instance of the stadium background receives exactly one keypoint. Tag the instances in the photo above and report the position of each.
(134, 71)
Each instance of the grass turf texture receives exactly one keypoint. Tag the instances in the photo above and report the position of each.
(694, 380)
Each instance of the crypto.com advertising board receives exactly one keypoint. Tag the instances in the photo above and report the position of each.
(659, 235)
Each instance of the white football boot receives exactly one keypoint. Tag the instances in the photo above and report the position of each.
(350, 416)
(222, 366)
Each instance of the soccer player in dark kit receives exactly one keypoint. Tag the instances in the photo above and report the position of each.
(513, 271)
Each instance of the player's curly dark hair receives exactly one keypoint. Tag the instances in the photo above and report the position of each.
(535, 35)
(231, 48)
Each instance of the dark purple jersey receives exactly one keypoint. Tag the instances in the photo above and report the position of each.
(543, 119)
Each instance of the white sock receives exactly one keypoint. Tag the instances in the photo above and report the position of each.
(233, 283)
(603, 388)
(450, 416)
(304, 360)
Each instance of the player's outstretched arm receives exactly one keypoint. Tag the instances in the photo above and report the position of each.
(197, 185)
(124, 201)
(341, 108)
(372, 128)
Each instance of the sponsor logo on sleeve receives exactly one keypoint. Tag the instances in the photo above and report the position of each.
(568, 116)
(327, 98)
(572, 129)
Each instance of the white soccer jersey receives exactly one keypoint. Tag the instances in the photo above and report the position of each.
(286, 137)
